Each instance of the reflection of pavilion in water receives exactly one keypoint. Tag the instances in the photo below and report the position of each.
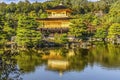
(64, 60)
(58, 65)
(56, 61)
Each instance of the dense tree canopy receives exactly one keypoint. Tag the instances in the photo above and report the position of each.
(114, 30)
(78, 28)
(2, 33)
(93, 19)
(26, 32)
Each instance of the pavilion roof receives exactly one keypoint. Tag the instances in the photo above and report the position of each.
(62, 18)
(59, 7)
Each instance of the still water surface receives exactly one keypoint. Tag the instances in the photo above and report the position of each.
(101, 62)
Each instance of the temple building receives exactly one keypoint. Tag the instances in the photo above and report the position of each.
(58, 20)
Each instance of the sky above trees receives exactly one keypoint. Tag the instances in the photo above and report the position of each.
(9, 1)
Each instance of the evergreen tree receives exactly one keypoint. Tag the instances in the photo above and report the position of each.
(10, 26)
(27, 34)
(101, 33)
(78, 28)
(2, 33)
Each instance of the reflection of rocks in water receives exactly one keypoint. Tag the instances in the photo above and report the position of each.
(59, 65)
(85, 45)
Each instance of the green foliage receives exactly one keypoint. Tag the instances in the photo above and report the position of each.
(10, 28)
(33, 14)
(114, 30)
(60, 38)
(11, 8)
(112, 20)
(11, 19)
(37, 6)
(43, 15)
(26, 32)
(78, 28)
(3, 8)
(101, 33)
(114, 13)
(2, 33)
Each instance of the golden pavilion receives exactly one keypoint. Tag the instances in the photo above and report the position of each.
(58, 20)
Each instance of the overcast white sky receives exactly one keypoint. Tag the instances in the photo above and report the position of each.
(8, 1)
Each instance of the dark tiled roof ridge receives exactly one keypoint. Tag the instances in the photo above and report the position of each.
(59, 7)
(54, 18)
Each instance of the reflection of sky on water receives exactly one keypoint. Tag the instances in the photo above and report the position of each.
(89, 73)
(41, 74)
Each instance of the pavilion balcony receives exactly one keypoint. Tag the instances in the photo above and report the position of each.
(58, 16)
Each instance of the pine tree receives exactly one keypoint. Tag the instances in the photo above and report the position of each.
(27, 34)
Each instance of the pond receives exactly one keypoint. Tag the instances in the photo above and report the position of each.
(100, 62)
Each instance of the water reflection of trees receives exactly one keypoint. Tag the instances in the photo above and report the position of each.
(79, 60)
(8, 66)
(105, 55)
(28, 60)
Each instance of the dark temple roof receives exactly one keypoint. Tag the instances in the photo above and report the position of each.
(66, 18)
(59, 7)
